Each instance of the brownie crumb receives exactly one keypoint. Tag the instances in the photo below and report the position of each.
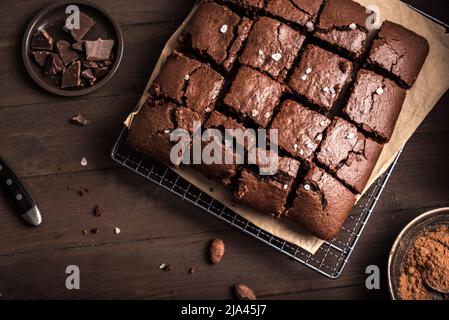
(95, 231)
(81, 193)
(79, 120)
(84, 231)
(192, 270)
(98, 211)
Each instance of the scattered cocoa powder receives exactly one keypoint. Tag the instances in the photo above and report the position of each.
(427, 263)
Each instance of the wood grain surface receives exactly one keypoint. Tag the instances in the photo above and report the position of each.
(157, 227)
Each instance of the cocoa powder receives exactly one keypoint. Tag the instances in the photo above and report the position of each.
(427, 263)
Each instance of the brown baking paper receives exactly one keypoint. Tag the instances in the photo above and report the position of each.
(432, 83)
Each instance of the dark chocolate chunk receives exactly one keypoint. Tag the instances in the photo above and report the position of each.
(87, 74)
(78, 46)
(86, 23)
(99, 50)
(101, 72)
(54, 65)
(42, 41)
(65, 52)
(79, 120)
(71, 76)
(40, 57)
(90, 64)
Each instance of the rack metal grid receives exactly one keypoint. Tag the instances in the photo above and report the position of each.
(329, 260)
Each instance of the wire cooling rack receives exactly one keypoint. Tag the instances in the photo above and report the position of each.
(329, 260)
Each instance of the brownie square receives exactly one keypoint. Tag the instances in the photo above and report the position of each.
(241, 135)
(321, 76)
(188, 81)
(399, 52)
(301, 12)
(254, 95)
(375, 104)
(300, 130)
(267, 194)
(222, 172)
(217, 33)
(272, 47)
(151, 128)
(322, 204)
(348, 154)
(343, 24)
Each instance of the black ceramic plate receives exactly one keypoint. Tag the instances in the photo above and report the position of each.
(426, 221)
(52, 19)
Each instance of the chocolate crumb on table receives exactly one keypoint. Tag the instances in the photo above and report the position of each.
(272, 47)
(321, 76)
(343, 23)
(375, 104)
(348, 154)
(399, 52)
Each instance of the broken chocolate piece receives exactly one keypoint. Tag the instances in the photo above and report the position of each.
(90, 64)
(42, 41)
(65, 52)
(79, 120)
(40, 57)
(54, 65)
(99, 50)
(87, 74)
(78, 46)
(101, 72)
(71, 76)
(86, 23)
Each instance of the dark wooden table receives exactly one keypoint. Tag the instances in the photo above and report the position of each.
(157, 227)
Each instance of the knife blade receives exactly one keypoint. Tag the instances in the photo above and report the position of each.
(18, 195)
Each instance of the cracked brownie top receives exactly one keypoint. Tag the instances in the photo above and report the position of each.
(272, 47)
(300, 129)
(399, 52)
(322, 204)
(216, 32)
(301, 12)
(343, 23)
(321, 76)
(254, 95)
(375, 104)
(348, 154)
(189, 82)
(251, 186)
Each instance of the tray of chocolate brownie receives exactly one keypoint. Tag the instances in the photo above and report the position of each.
(286, 118)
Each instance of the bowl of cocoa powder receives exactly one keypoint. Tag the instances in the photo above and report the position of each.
(418, 265)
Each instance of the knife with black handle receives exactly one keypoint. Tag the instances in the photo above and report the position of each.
(18, 195)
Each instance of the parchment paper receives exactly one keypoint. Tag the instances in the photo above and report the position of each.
(432, 83)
